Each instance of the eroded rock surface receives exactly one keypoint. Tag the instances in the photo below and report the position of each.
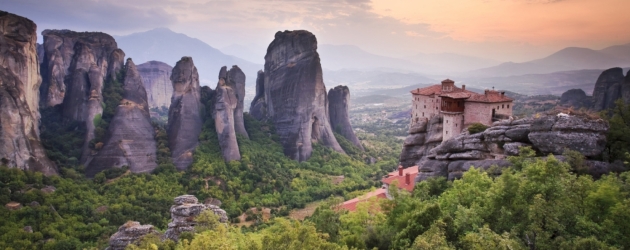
(424, 135)
(338, 105)
(258, 108)
(129, 233)
(295, 95)
(184, 115)
(225, 106)
(157, 81)
(183, 214)
(608, 88)
(131, 138)
(551, 134)
(576, 98)
(20, 80)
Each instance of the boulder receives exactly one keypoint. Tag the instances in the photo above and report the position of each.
(295, 94)
(184, 114)
(131, 138)
(20, 146)
(129, 233)
(156, 77)
(338, 105)
(554, 134)
(183, 214)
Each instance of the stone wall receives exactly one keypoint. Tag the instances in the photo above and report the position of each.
(453, 123)
(424, 106)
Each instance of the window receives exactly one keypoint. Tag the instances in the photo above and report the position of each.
(447, 132)
(456, 125)
(425, 106)
(446, 121)
(508, 105)
(503, 106)
(422, 114)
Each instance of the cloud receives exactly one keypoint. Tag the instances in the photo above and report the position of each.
(91, 15)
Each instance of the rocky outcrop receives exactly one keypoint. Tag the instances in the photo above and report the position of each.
(258, 108)
(157, 81)
(184, 114)
(551, 134)
(295, 94)
(129, 233)
(131, 138)
(224, 113)
(609, 88)
(183, 214)
(74, 68)
(20, 80)
(235, 79)
(424, 135)
(576, 98)
(67, 51)
(338, 105)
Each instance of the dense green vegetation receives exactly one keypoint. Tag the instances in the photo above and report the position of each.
(536, 204)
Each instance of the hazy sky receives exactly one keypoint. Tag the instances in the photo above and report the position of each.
(507, 30)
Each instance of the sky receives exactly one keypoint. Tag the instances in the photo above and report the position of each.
(505, 30)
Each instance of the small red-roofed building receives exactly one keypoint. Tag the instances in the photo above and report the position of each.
(403, 176)
(458, 106)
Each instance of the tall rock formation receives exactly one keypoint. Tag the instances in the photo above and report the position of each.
(338, 105)
(235, 79)
(67, 51)
(609, 88)
(184, 114)
(74, 68)
(224, 113)
(183, 214)
(131, 138)
(20, 80)
(157, 81)
(295, 94)
(258, 108)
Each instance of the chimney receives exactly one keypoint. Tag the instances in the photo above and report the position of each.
(502, 93)
(463, 87)
(407, 179)
(400, 170)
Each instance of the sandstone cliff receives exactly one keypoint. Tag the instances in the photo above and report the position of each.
(547, 135)
(608, 88)
(258, 108)
(184, 114)
(183, 214)
(67, 51)
(74, 67)
(295, 94)
(224, 113)
(19, 96)
(157, 81)
(131, 138)
(338, 105)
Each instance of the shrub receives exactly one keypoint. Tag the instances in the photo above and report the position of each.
(477, 128)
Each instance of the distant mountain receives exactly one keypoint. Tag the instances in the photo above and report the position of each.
(167, 46)
(350, 57)
(246, 52)
(441, 63)
(362, 81)
(567, 59)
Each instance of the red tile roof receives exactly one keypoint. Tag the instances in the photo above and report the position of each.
(491, 96)
(458, 95)
(394, 176)
(434, 89)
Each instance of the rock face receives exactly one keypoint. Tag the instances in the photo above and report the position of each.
(131, 138)
(20, 80)
(129, 233)
(67, 51)
(183, 214)
(575, 98)
(608, 88)
(295, 97)
(258, 107)
(184, 114)
(338, 105)
(235, 79)
(157, 81)
(424, 135)
(74, 68)
(547, 135)
(224, 111)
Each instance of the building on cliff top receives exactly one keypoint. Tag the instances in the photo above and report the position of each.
(404, 177)
(458, 106)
